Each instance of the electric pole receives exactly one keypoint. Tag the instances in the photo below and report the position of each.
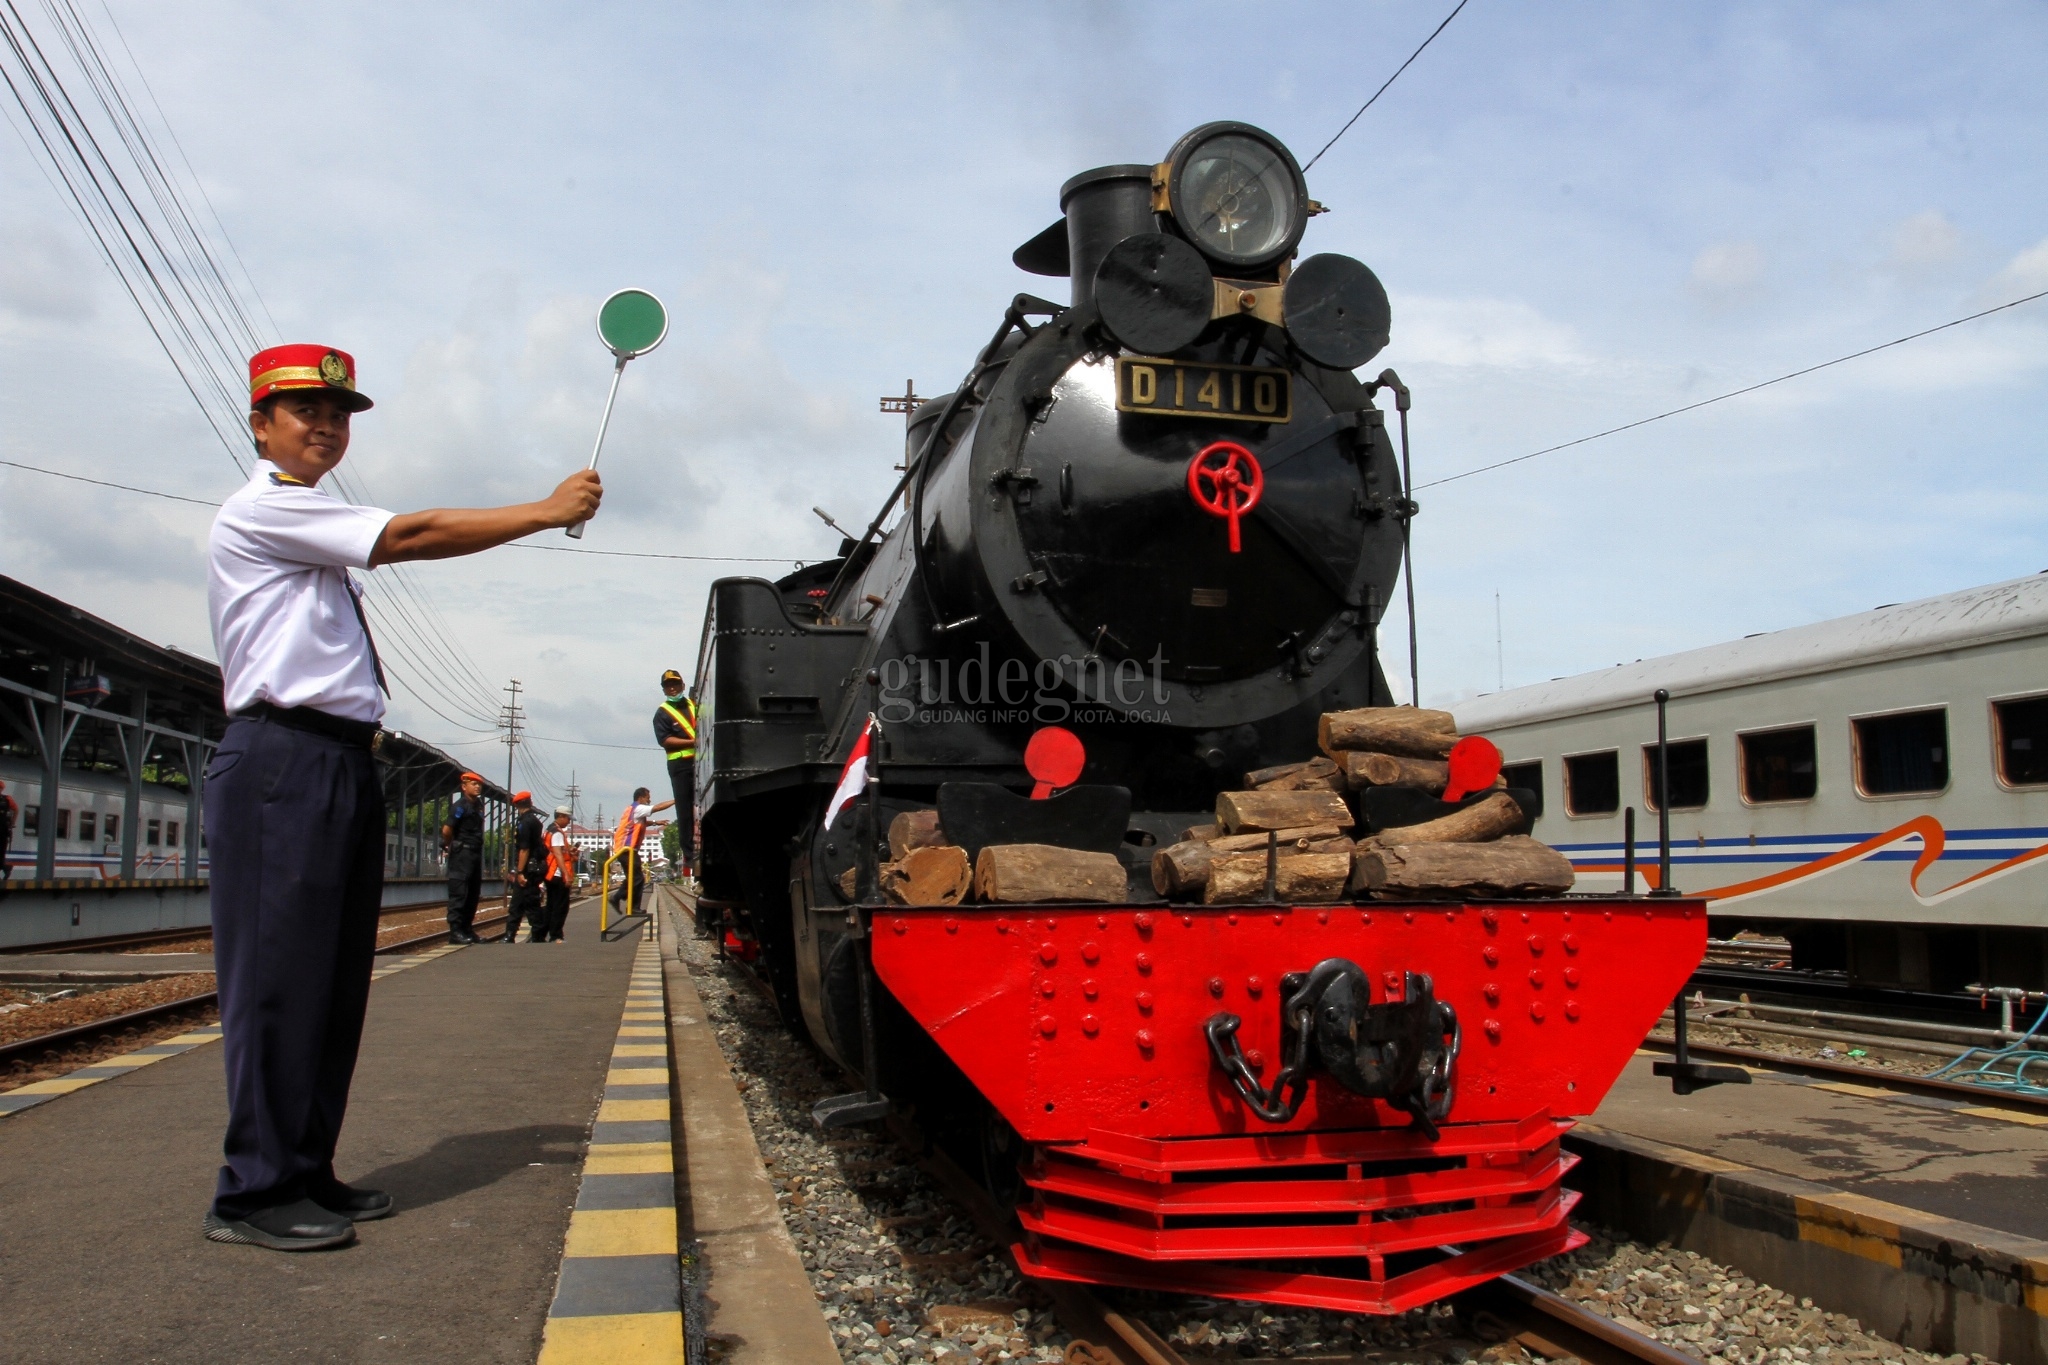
(510, 719)
(574, 792)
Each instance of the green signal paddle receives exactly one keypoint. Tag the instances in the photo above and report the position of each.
(631, 323)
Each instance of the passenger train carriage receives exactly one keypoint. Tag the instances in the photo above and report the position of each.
(1874, 787)
(89, 813)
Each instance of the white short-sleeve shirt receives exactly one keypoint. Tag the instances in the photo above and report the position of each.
(278, 590)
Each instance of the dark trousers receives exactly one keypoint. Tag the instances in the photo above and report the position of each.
(295, 823)
(682, 780)
(465, 884)
(635, 872)
(523, 903)
(557, 912)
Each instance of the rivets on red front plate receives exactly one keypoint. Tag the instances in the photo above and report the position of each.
(1144, 922)
(1490, 954)
(1048, 1025)
(1187, 921)
(952, 926)
(1144, 1002)
(1608, 915)
(900, 927)
(1322, 917)
(1536, 977)
(1216, 986)
(1365, 917)
(1278, 918)
(1090, 953)
(1570, 942)
(1046, 988)
(1407, 917)
(1450, 917)
(1255, 984)
(1048, 953)
(1493, 1030)
(1051, 924)
(1257, 1059)
(1536, 1010)
(1090, 1025)
(1395, 986)
(1491, 990)
(1536, 945)
(1089, 988)
(1525, 917)
(1144, 961)
(1230, 918)
(1571, 976)
(1144, 1040)
(1002, 925)
(1489, 919)
(1571, 1009)
(1102, 921)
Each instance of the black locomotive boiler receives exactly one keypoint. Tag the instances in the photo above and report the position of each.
(1165, 517)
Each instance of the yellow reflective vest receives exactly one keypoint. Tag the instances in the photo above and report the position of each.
(686, 718)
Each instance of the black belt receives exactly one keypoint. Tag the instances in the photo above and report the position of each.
(361, 733)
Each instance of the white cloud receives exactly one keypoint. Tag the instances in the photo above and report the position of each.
(1503, 333)
(2026, 273)
(1727, 274)
(1923, 243)
(45, 274)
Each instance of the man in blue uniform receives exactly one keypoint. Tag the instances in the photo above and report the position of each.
(529, 865)
(462, 851)
(675, 730)
(295, 819)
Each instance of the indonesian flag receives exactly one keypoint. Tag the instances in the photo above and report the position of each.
(855, 775)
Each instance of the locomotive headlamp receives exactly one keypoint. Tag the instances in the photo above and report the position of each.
(1236, 193)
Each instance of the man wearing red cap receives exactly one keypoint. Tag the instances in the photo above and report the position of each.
(529, 862)
(295, 818)
(462, 852)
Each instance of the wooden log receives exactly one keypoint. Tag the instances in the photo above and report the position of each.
(1201, 833)
(1388, 730)
(1291, 840)
(1256, 812)
(848, 881)
(1317, 774)
(1180, 871)
(936, 874)
(1392, 770)
(1238, 877)
(1027, 873)
(1474, 824)
(914, 829)
(1340, 844)
(1512, 866)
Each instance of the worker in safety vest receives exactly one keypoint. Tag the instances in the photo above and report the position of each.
(626, 838)
(675, 729)
(561, 876)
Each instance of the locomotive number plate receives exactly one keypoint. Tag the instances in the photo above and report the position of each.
(1234, 393)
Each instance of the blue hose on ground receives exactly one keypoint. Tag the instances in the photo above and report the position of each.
(1988, 1066)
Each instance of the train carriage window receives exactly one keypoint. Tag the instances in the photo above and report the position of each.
(31, 817)
(155, 833)
(1688, 774)
(1592, 783)
(1526, 777)
(1901, 754)
(88, 825)
(1778, 765)
(171, 834)
(2022, 741)
(63, 822)
(113, 826)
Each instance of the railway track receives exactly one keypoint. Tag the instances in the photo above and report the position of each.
(1510, 1308)
(146, 937)
(84, 1033)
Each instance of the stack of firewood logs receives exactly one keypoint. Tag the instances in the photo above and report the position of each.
(1296, 818)
(923, 869)
(1294, 823)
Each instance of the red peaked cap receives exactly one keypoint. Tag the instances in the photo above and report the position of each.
(522, 798)
(471, 777)
(304, 366)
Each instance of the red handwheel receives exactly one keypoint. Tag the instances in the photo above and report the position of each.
(1225, 481)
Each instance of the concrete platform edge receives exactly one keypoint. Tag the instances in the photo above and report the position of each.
(759, 1307)
(1932, 1283)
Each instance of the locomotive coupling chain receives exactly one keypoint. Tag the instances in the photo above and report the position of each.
(1403, 1051)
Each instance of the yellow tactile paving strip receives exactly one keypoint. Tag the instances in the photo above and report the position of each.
(618, 1299)
(39, 1092)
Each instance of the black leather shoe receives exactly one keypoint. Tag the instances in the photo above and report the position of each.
(303, 1226)
(465, 938)
(358, 1205)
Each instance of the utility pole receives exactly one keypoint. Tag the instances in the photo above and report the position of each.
(574, 792)
(510, 719)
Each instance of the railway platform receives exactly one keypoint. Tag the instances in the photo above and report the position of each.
(483, 1072)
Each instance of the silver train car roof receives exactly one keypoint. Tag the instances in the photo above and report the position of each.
(2012, 610)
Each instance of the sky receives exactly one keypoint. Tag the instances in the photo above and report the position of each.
(1584, 214)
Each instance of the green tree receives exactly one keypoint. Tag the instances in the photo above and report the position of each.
(672, 844)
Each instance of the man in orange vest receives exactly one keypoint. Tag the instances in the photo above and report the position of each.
(626, 839)
(561, 875)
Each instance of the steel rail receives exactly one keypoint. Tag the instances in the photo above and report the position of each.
(1861, 1075)
(77, 1033)
(145, 936)
(1554, 1326)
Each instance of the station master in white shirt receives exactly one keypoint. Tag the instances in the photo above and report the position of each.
(295, 815)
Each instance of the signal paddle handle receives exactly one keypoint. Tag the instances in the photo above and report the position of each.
(576, 532)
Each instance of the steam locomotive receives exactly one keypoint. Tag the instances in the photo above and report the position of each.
(1163, 519)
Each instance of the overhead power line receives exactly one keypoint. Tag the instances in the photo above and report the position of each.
(1732, 393)
(1389, 81)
